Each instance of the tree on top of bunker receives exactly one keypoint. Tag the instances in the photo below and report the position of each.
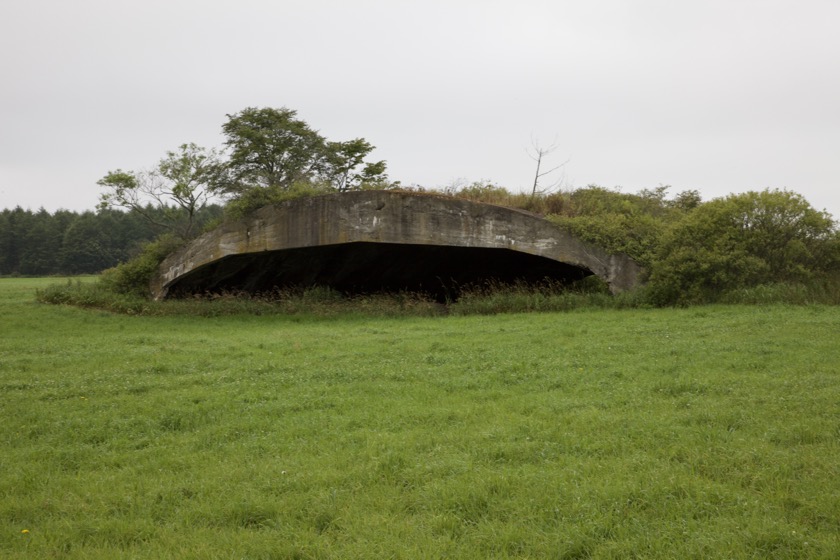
(170, 196)
(273, 156)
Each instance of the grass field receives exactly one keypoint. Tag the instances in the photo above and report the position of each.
(710, 432)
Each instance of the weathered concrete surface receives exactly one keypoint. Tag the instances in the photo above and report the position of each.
(379, 240)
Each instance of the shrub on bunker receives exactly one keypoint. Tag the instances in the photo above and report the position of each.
(743, 240)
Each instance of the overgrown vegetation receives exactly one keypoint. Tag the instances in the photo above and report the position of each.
(133, 277)
(694, 251)
(743, 241)
(665, 433)
(121, 292)
(315, 301)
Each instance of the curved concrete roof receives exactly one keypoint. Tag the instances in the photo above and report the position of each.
(360, 238)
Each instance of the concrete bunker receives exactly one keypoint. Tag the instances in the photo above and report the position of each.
(372, 241)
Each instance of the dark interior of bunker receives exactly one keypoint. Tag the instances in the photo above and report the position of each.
(441, 272)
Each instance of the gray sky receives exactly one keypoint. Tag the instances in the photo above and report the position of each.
(721, 96)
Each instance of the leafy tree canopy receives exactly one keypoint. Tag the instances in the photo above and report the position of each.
(269, 148)
(179, 188)
(273, 150)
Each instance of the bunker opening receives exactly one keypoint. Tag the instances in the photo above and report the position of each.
(440, 272)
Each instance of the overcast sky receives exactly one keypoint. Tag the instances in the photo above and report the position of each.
(721, 96)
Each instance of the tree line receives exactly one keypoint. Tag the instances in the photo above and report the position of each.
(40, 243)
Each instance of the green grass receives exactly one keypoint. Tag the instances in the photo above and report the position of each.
(662, 433)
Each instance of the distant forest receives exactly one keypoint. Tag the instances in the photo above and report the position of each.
(41, 244)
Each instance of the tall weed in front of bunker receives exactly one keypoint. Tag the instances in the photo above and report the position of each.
(548, 296)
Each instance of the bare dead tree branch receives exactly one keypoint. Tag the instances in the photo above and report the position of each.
(538, 154)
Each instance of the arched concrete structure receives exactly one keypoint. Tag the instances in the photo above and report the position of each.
(370, 240)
